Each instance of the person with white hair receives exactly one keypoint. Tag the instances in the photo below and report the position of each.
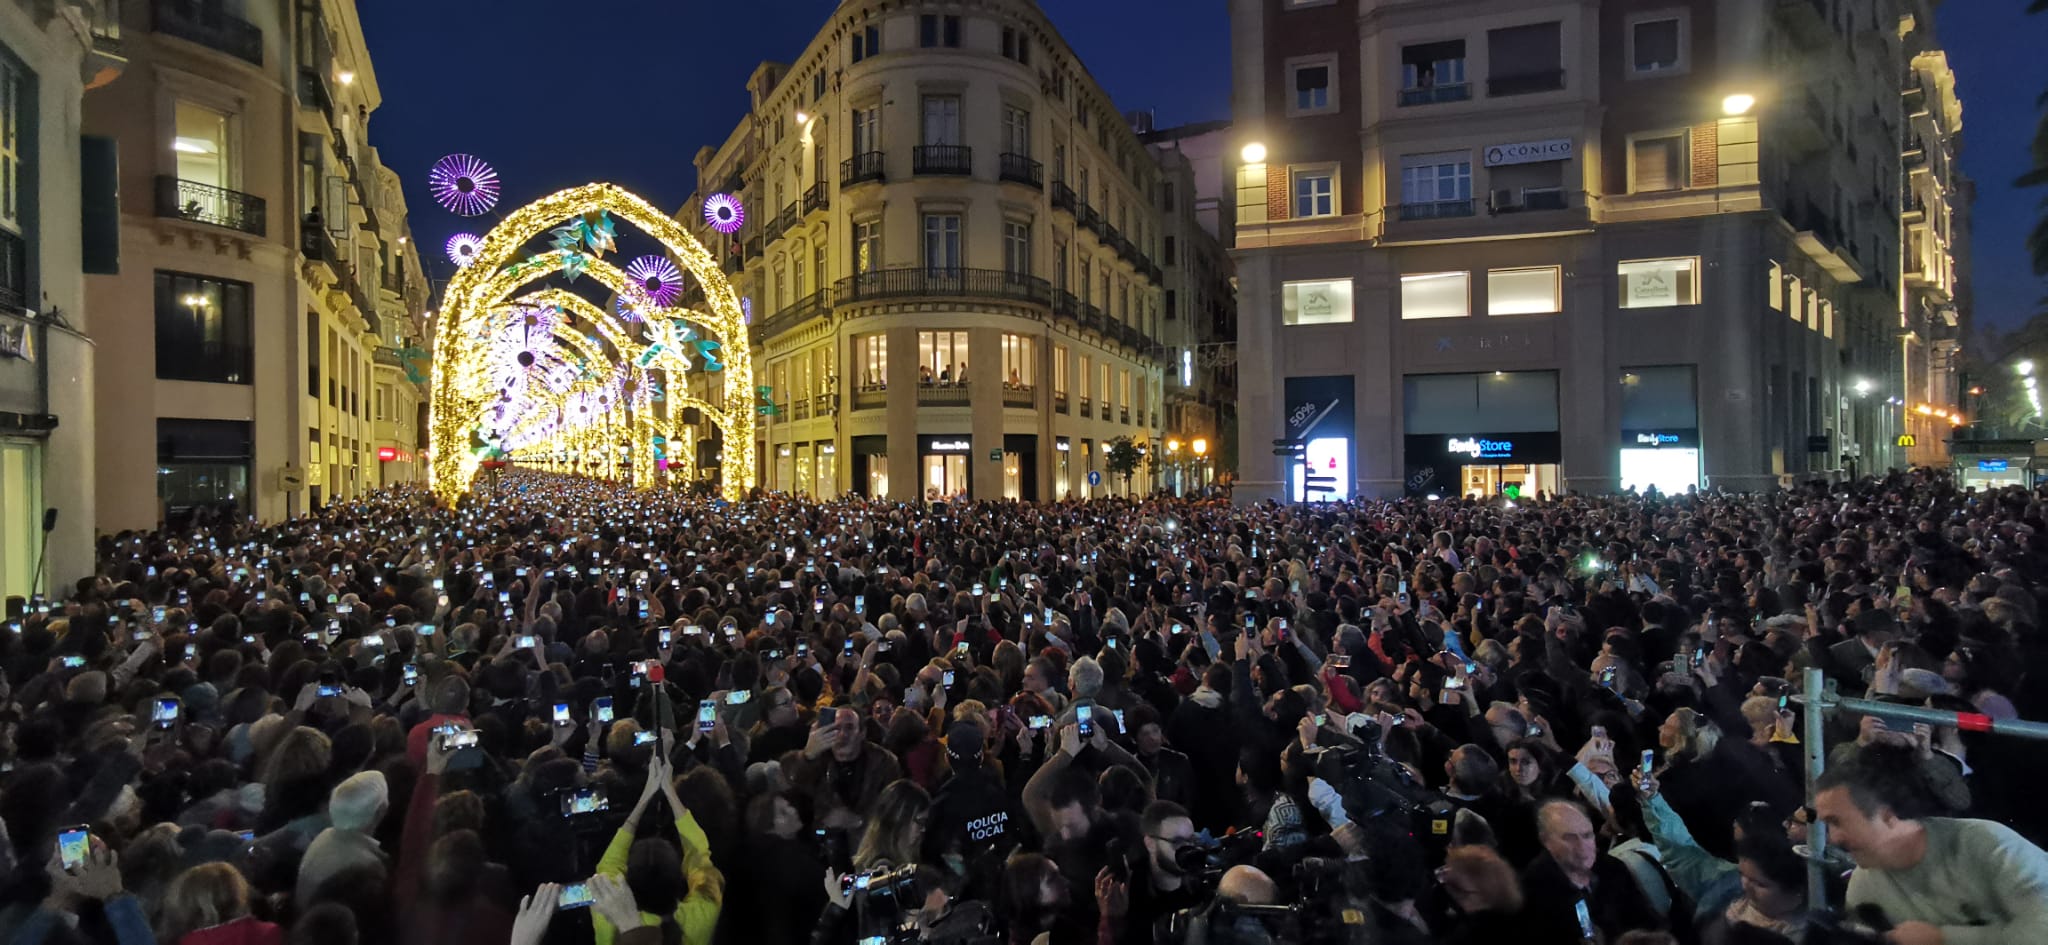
(354, 810)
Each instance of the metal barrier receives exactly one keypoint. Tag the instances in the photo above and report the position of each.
(1819, 695)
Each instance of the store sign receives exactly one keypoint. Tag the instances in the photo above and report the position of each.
(995, 455)
(1674, 438)
(16, 342)
(1063, 446)
(949, 446)
(1993, 465)
(1529, 152)
(1908, 439)
(1480, 448)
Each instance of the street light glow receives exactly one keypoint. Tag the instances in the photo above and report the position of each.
(1738, 104)
(1863, 385)
(1200, 446)
(1254, 153)
(2025, 367)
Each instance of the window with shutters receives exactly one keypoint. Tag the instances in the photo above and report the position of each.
(1524, 59)
(1656, 45)
(1312, 84)
(1657, 162)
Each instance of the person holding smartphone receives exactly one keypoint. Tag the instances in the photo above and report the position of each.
(1572, 879)
(682, 887)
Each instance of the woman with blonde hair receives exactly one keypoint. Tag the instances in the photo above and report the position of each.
(895, 831)
(209, 905)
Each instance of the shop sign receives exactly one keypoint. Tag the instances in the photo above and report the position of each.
(949, 446)
(995, 455)
(1673, 438)
(1480, 448)
(1993, 465)
(1529, 152)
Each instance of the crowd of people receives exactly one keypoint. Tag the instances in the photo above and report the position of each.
(566, 712)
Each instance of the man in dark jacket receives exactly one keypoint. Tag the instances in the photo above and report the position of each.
(842, 773)
(975, 823)
(1202, 727)
(1173, 775)
(1572, 871)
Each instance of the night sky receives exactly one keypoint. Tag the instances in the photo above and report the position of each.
(557, 94)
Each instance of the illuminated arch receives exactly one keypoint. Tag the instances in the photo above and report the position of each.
(482, 294)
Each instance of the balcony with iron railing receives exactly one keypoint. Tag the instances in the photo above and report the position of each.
(314, 93)
(1059, 401)
(1021, 169)
(955, 283)
(1124, 414)
(1437, 209)
(942, 395)
(811, 306)
(783, 222)
(817, 198)
(205, 203)
(1436, 94)
(1062, 196)
(1019, 396)
(1545, 80)
(1087, 408)
(754, 248)
(860, 168)
(955, 159)
(210, 26)
(1088, 219)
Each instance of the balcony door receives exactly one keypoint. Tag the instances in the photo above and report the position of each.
(867, 129)
(942, 120)
(942, 246)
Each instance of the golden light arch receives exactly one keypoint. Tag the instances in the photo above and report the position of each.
(485, 289)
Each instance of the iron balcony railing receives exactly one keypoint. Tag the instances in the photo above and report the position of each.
(210, 26)
(802, 310)
(960, 283)
(313, 91)
(817, 198)
(783, 223)
(1546, 80)
(1023, 170)
(754, 248)
(942, 159)
(1062, 196)
(205, 203)
(1059, 401)
(1087, 410)
(1436, 94)
(1086, 216)
(951, 395)
(1437, 209)
(865, 166)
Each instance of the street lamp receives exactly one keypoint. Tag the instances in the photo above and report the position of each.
(1737, 104)
(1200, 446)
(2025, 367)
(1254, 153)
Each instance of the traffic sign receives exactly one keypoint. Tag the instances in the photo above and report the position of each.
(1094, 477)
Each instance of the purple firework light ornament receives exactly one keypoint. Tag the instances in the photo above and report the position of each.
(462, 248)
(724, 213)
(464, 184)
(659, 277)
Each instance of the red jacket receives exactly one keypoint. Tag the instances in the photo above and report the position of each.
(247, 930)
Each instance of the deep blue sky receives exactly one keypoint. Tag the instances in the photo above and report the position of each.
(557, 94)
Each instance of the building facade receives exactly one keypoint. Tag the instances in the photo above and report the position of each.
(1935, 218)
(264, 267)
(50, 53)
(1200, 328)
(949, 257)
(1489, 247)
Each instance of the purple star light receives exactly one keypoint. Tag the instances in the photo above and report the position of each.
(464, 184)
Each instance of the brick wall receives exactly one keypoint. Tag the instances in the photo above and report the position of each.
(1278, 207)
(1706, 154)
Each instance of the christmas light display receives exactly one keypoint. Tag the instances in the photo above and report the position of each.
(462, 248)
(724, 213)
(580, 386)
(658, 277)
(464, 184)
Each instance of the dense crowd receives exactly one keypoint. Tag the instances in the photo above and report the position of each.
(570, 713)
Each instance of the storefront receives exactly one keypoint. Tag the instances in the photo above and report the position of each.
(826, 485)
(870, 466)
(1665, 460)
(1481, 434)
(1020, 466)
(1995, 464)
(943, 465)
(1320, 412)
(1063, 468)
(1482, 465)
(785, 469)
(203, 463)
(1660, 437)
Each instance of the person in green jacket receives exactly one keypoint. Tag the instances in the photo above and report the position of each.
(683, 893)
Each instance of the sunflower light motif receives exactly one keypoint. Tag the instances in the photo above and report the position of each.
(462, 248)
(660, 278)
(464, 184)
(724, 213)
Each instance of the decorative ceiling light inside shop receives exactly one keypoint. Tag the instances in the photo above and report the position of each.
(462, 248)
(724, 213)
(464, 184)
(659, 277)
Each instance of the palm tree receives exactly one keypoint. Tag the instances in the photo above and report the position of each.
(2037, 241)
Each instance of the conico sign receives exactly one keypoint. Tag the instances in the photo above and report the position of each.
(1528, 152)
